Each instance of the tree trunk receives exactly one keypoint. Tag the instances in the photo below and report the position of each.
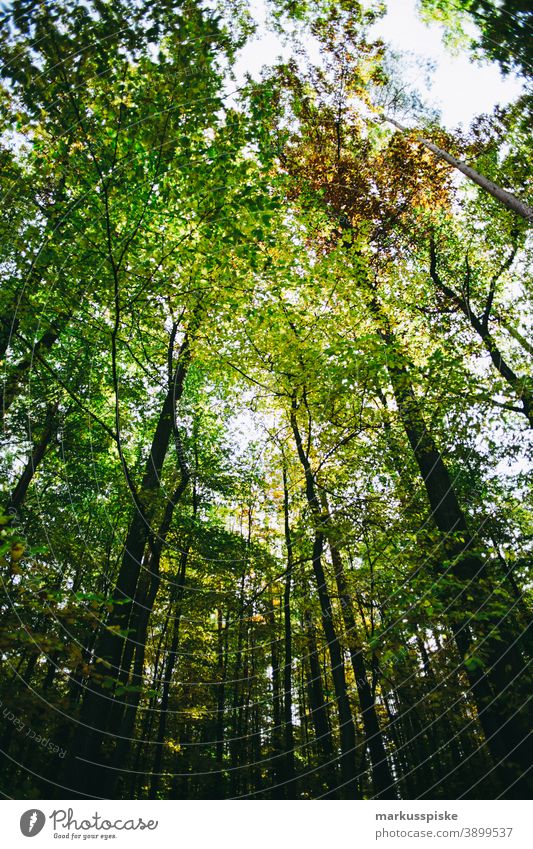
(110, 649)
(277, 760)
(222, 665)
(506, 732)
(518, 385)
(318, 707)
(39, 449)
(506, 198)
(239, 674)
(167, 675)
(289, 772)
(349, 773)
(384, 783)
(17, 373)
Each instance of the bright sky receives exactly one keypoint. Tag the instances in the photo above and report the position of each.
(460, 88)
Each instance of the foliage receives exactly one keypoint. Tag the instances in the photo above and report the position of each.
(266, 410)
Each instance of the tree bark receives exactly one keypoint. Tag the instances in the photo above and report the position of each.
(276, 739)
(288, 728)
(222, 665)
(384, 783)
(167, 675)
(317, 705)
(349, 773)
(506, 198)
(506, 731)
(112, 645)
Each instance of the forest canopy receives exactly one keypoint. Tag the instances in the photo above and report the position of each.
(267, 403)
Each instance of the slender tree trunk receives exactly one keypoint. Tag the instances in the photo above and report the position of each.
(317, 705)
(239, 674)
(449, 736)
(111, 645)
(222, 665)
(289, 771)
(145, 736)
(349, 774)
(519, 385)
(507, 570)
(253, 733)
(39, 449)
(277, 760)
(506, 729)
(122, 722)
(504, 197)
(168, 673)
(517, 336)
(14, 380)
(9, 324)
(384, 783)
